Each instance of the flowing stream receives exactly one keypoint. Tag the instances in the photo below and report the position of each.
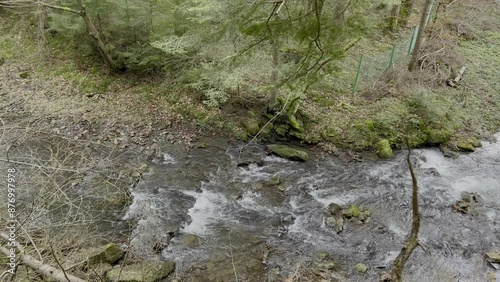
(213, 212)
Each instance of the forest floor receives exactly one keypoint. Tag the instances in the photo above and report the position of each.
(399, 103)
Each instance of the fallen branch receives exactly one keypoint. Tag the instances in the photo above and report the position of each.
(39, 267)
(454, 82)
(412, 241)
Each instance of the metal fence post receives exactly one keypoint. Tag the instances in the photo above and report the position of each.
(355, 85)
(391, 60)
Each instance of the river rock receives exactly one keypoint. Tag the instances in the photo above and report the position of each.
(352, 211)
(448, 153)
(288, 152)
(334, 208)
(466, 197)
(190, 240)
(109, 253)
(384, 149)
(475, 142)
(274, 181)
(465, 146)
(141, 272)
(361, 268)
(323, 255)
(493, 256)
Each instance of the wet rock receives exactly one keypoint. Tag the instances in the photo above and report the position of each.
(361, 268)
(141, 272)
(492, 277)
(432, 171)
(330, 221)
(282, 187)
(385, 277)
(352, 211)
(339, 223)
(475, 142)
(190, 240)
(381, 229)
(493, 256)
(274, 181)
(466, 197)
(461, 207)
(334, 209)
(323, 255)
(109, 253)
(329, 265)
(448, 153)
(384, 149)
(465, 146)
(288, 152)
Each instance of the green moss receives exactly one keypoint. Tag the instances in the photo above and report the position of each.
(465, 146)
(439, 136)
(384, 149)
(289, 152)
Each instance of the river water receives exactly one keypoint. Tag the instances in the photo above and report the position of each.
(223, 222)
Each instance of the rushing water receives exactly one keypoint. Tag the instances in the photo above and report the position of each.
(237, 217)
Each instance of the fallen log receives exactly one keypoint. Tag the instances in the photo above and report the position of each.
(39, 267)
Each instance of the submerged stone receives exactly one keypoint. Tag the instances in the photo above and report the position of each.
(288, 152)
(141, 272)
(449, 153)
(352, 211)
(361, 268)
(384, 149)
(334, 208)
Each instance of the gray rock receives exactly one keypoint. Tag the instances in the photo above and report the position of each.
(109, 253)
(141, 272)
(334, 208)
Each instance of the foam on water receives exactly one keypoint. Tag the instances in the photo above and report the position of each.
(207, 209)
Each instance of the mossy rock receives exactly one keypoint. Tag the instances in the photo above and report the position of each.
(24, 75)
(252, 127)
(282, 130)
(352, 211)
(361, 267)
(384, 149)
(475, 142)
(141, 272)
(295, 123)
(109, 253)
(465, 146)
(439, 136)
(274, 181)
(288, 152)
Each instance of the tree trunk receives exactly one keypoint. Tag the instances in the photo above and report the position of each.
(96, 36)
(414, 59)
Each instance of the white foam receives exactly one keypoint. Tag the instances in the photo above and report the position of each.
(206, 210)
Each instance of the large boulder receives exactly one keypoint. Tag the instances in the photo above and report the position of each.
(288, 152)
(141, 272)
(384, 149)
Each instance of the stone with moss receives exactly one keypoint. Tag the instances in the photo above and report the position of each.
(288, 152)
(295, 123)
(361, 267)
(252, 127)
(109, 253)
(274, 181)
(281, 129)
(384, 149)
(465, 146)
(475, 142)
(141, 272)
(352, 211)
